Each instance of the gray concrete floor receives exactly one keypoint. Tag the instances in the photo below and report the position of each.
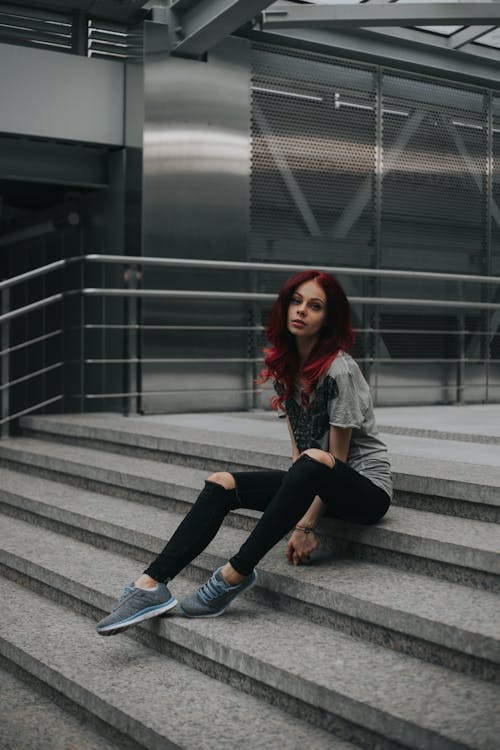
(451, 425)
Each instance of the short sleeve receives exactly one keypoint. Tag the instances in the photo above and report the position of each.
(349, 408)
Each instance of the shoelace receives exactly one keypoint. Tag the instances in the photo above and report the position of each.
(126, 592)
(211, 590)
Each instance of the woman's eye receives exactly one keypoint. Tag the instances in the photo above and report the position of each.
(316, 307)
(295, 301)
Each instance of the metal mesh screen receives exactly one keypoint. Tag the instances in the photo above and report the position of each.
(434, 177)
(313, 151)
(354, 165)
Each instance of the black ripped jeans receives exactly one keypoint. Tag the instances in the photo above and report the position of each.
(283, 497)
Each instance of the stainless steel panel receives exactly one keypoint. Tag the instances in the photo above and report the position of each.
(196, 204)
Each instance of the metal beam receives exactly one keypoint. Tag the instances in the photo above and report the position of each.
(196, 27)
(372, 47)
(459, 38)
(52, 163)
(427, 39)
(388, 14)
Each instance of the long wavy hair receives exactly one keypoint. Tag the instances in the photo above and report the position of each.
(281, 358)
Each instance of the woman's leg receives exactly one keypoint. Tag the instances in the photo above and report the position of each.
(347, 494)
(149, 596)
(204, 519)
(353, 497)
(293, 497)
(306, 478)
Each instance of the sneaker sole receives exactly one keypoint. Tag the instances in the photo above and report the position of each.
(221, 611)
(119, 627)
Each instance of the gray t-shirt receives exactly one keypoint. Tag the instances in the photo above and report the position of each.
(342, 399)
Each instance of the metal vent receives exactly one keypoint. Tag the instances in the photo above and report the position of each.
(114, 41)
(33, 27)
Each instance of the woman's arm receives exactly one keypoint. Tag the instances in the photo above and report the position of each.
(339, 442)
(301, 544)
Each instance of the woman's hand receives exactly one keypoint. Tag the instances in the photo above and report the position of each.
(300, 547)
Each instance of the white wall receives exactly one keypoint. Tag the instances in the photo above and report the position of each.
(57, 95)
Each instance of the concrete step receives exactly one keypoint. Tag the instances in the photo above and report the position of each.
(31, 720)
(441, 622)
(434, 484)
(155, 700)
(325, 675)
(457, 549)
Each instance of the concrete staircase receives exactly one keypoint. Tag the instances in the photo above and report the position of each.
(390, 640)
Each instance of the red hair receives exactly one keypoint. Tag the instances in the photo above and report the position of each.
(282, 360)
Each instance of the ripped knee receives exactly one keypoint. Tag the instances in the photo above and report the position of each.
(224, 478)
(322, 457)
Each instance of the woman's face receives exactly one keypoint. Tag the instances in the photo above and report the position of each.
(307, 310)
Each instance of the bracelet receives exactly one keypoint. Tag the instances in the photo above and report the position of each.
(305, 529)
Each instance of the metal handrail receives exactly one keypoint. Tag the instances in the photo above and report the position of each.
(172, 393)
(33, 306)
(238, 296)
(29, 343)
(247, 360)
(30, 409)
(147, 327)
(232, 296)
(173, 361)
(31, 375)
(40, 271)
(245, 266)
(224, 265)
(266, 297)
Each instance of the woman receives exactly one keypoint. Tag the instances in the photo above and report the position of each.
(339, 464)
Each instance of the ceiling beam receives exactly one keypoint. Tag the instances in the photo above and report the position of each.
(457, 40)
(197, 26)
(391, 52)
(427, 39)
(341, 16)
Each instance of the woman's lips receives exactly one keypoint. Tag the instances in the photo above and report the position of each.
(298, 323)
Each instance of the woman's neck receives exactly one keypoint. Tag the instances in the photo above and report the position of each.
(304, 349)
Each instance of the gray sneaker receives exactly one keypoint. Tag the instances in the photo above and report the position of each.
(136, 605)
(214, 596)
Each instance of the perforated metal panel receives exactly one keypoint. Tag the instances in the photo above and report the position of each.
(434, 176)
(313, 151)
(354, 165)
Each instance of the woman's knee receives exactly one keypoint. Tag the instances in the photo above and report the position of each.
(322, 457)
(224, 478)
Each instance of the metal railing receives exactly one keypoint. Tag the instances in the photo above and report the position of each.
(132, 326)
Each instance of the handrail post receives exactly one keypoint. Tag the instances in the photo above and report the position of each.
(131, 372)
(461, 361)
(253, 319)
(4, 362)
